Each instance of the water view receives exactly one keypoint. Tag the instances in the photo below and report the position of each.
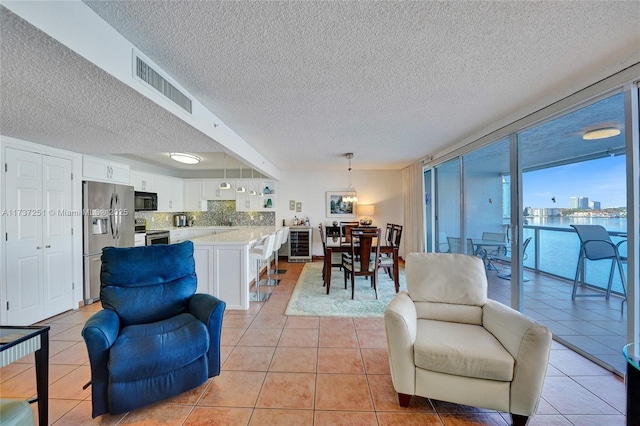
(558, 247)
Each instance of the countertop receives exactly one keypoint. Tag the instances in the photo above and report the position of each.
(238, 236)
(186, 228)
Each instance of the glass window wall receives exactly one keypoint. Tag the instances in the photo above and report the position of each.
(567, 179)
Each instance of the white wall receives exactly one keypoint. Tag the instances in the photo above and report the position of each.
(383, 188)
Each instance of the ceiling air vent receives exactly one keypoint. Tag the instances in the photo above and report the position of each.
(155, 80)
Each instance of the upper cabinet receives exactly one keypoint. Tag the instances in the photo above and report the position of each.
(211, 190)
(169, 189)
(144, 182)
(193, 195)
(170, 194)
(100, 169)
(198, 191)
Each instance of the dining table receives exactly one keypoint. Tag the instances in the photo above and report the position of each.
(337, 245)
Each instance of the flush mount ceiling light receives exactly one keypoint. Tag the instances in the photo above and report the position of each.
(225, 184)
(605, 132)
(184, 158)
(350, 198)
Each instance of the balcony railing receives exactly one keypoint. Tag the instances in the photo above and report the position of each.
(554, 251)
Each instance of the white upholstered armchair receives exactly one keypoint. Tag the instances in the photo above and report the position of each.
(448, 341)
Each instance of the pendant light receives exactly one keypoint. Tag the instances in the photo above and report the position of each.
(253, 191)
(350, 198)
(240, 188)
(225, 184)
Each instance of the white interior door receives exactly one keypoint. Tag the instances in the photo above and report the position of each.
(25, 302)
(56, 235)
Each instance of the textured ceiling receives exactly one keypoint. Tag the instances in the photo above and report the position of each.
(306, 82)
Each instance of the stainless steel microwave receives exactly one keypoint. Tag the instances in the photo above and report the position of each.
(145, 201)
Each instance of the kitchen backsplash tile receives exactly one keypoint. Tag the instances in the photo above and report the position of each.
(220, 213)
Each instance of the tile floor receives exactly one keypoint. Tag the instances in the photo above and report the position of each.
(592, 325)
(280, 370)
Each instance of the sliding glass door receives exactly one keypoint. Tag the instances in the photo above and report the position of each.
(569, 175)
(448, 192)
(574, 173)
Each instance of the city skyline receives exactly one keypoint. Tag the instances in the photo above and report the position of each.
(602, 179)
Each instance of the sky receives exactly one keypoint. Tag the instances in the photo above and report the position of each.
(601, 180)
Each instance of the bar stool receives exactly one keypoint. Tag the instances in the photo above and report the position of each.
(276, 247)
(261, 253)
(285, 238)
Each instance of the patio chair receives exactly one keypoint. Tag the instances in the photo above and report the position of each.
(596, 244)
(506, 274)
(442, 243)
(493, 250)
(455, 247)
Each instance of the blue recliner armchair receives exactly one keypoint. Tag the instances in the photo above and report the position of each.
(155, 338)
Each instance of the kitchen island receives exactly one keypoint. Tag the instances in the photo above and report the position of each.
(222, 263)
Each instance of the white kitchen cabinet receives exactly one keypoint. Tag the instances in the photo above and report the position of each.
(193, 195)
(198, 191)
(211, 190)
(247, 202)
(139, 239)
(244, 200)
(144, 182)
(222, 271)
(100, 169)
(38, 237)
(170, 194)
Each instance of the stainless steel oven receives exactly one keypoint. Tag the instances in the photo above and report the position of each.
(157, 237)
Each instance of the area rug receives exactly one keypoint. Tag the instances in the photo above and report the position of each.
(311, 298)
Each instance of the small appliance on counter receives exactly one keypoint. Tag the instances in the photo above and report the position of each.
(180, 220)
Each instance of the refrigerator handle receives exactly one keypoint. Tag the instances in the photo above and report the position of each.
(112, 225)
(116, 215)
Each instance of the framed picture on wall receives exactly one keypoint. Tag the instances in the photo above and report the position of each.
(338, 206)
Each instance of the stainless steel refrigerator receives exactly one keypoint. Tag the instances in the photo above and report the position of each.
(108, 222)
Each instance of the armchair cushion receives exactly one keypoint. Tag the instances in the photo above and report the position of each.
(148, 350)
(457, 278)
(462, 350)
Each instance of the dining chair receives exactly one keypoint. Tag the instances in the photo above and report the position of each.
(364, 257)
(386, 261)
(388, 235)
(346, 230)
(336, 258)
(596, 244)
